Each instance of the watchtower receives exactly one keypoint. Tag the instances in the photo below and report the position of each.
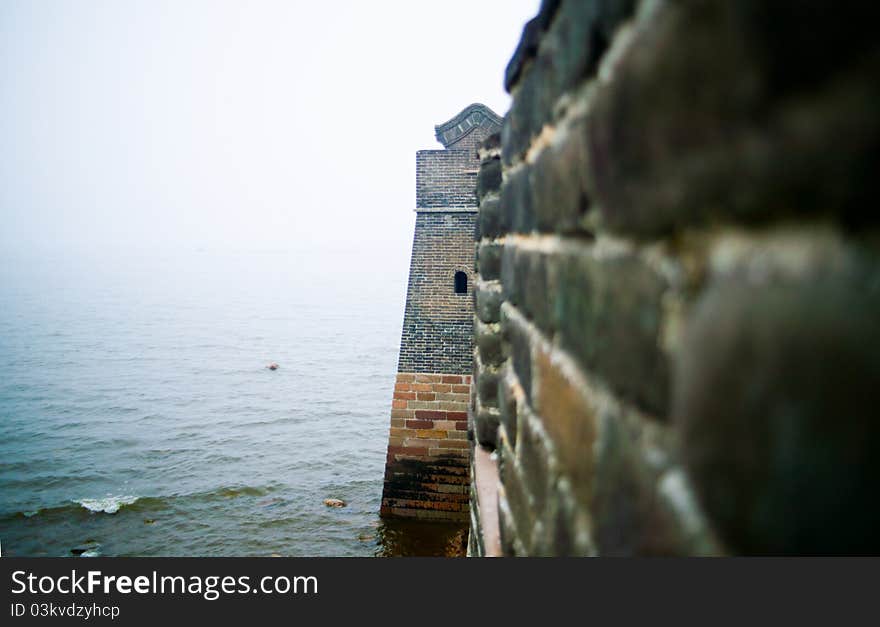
(426, 472)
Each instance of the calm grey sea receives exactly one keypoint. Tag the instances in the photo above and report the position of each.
(137, 416)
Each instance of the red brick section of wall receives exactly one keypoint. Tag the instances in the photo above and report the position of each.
(426, 471)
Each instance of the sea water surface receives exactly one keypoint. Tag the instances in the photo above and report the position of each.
(137, 417)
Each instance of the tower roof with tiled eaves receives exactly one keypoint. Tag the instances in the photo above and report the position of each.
(472, 118)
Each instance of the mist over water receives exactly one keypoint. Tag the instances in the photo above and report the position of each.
(189, 191)
(137, 416)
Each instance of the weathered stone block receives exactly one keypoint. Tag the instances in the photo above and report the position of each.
(509, 395)
(628, 518)
(489, 177)
(509, 279)
(489, 345)
(776, 391)
(516, 201)
(486, 422)
(534, 459)
(529, 281)
(487, 387)
(559, 187)
(569, 418)
(608, 312)
(518, 338)
(527, 113)
(488, 300)
(572, 45)
(490, 222)
(489, 260)
(551, 63)
(532, 33)
(702, 120)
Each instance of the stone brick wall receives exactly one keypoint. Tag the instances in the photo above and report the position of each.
(678, 292)
(446, 179)
(427, 464)
(426, 473)
(437, 322)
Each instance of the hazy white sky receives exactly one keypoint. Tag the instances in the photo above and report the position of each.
(248, 124)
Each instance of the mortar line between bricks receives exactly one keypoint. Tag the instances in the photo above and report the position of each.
(570, 368)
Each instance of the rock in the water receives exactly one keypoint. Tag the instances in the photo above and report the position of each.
(334, 502)
(272, 366)
(89, 548)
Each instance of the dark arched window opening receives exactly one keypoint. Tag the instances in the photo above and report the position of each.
(460, 283)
